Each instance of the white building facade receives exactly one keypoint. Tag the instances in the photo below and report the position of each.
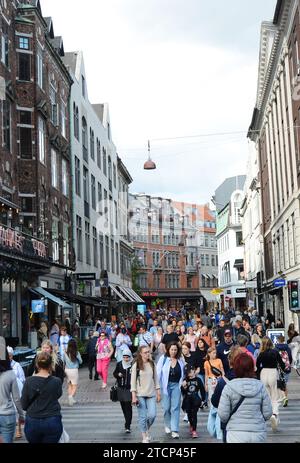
(231, 253)
(97, 191)
(275, 131)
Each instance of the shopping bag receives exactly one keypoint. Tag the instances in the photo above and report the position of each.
(64, 438)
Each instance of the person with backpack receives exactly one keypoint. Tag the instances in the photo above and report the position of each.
(170, 373)
(145, 390)
(286, 356)
(245, 405)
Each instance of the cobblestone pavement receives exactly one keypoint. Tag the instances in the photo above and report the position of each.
(94, 418)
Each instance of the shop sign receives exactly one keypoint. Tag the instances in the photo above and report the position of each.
(279, 283)
(149, 294)
(85, 276)
(13, 239)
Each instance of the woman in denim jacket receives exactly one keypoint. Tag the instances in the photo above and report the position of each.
(170, 373)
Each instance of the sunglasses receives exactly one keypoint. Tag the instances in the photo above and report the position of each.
(126, 356)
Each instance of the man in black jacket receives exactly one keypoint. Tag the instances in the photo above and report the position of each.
(91, 352)
(223, 349)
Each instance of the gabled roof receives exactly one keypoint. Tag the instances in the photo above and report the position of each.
(99, 110)
(50, 29)
(70, 60)
(58, 45)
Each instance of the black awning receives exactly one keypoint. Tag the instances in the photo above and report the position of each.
(239, 263)
(76, 298)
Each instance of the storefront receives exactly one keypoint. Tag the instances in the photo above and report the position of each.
(175, 298)
(22, 259)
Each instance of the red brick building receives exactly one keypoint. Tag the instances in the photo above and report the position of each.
(35, 180)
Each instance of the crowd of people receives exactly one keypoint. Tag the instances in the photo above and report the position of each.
(183, 359)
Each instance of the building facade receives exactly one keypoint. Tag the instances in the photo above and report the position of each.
(35, 176)
(231, 252)
(175, 251)
(275, 131)
(100, 198)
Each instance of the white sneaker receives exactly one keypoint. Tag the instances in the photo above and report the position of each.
(70, 400)
(185, 418)
(145, 440)
(74, 401)
(274, 423)
(167, 430)
(175, 435)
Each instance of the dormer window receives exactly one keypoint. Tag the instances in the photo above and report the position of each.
(24, 43)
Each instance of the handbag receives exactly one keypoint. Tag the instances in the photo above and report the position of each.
(215, 371)
(114, 393)
(64, 438)
(281, 383)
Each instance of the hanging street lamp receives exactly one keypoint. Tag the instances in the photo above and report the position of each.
(149, 164)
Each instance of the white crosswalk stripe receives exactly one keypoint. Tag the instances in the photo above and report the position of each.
(105, 423)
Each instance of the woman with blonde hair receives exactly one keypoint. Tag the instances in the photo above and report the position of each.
(72, 361)
(267, 364)
(57, 363)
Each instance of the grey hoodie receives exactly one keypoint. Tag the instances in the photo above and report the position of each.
(9, 394)
(252, 414)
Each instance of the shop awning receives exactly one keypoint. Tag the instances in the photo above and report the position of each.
(125, 294)
(208, 296)
(205, 276)
(42, 292)
(215, 276)
(76, 298)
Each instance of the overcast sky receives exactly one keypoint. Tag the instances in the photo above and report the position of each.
(171, 68)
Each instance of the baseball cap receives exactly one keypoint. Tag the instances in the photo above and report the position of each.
(238, 318)
(227, 332)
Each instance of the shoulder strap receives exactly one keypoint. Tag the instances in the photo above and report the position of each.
(235, 409)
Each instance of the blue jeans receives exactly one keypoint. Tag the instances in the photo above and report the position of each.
(43, 430)
(8, 427)
(171, 405)
(147, 412)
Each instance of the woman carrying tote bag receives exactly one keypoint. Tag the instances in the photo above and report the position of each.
(123, 375)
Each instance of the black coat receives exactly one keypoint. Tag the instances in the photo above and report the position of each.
(91, 346)
(124, 381)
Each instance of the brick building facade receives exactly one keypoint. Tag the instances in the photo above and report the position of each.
(35, 185)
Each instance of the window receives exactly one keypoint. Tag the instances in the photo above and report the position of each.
(4, 49)
(24, 43)
(92, 144)
(55, 246)
(54, 177)
(83, 86)
(117, 260)
(107, 253)
(76, 121)
(24, 66)
(77, 177)
(115, 175)
(116, 214)
(66, 244)
(104, 161)
(207, 259)
(25, 142)
(93, 188)
(85, 140)
(63, 119)
(95, 247)
(39, 67)
(189, 282)
(108, 131)
(79, 237)
(6, 116)
(212, 260)
(100, 205)
(54, 109)
(98, 154)
(101, 247)
(87, 243)
(65, 186)
(27, 204)
(206, 241)
(41, 135)
(239, 238)
(112, 245)
(86, 195)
